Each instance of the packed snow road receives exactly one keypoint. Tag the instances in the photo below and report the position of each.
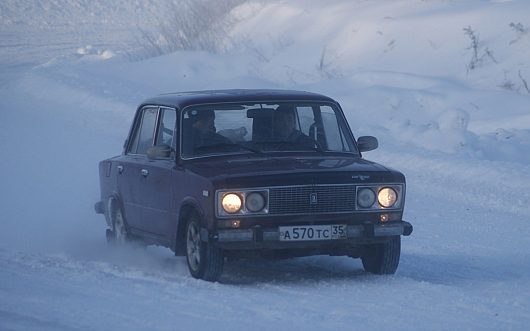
(469, 281)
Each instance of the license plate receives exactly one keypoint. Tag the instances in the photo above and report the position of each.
(312, 232)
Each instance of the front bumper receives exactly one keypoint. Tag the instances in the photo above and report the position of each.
(258, 237)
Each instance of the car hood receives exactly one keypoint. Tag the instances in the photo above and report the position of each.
(265, 171)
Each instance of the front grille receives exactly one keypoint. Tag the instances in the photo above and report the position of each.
(312, 199)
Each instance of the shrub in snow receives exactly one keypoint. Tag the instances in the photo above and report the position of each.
(524, 82)
(197, 25)
(508, 84)
(520, 31)
(479, 53)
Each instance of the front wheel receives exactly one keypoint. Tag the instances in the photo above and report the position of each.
(382, 259)
(205, 261)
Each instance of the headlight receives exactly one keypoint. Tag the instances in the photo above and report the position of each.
(242, 202)
(387, 197)
(365, 198)
(231, 203)
(255, 202)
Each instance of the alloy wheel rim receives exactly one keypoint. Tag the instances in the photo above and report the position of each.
(193, 246)
(119, 227)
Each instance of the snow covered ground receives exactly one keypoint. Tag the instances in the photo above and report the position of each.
(458, 127)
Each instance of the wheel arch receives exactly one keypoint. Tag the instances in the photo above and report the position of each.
(188, 208)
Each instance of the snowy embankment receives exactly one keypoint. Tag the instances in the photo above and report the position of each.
(458, 128)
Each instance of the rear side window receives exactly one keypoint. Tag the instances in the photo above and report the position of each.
(143, 137)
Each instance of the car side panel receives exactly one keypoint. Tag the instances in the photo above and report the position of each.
(108, 184)
(156, 198)
(128, 188)
(197, 191)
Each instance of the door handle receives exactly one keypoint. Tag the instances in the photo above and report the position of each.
(120, 169)
(144, 172)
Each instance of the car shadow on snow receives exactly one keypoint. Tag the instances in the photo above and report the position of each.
(306, 269)
(436, 269)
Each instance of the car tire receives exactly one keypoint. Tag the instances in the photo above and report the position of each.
(205, 261)
(118, 234)
(382, 259)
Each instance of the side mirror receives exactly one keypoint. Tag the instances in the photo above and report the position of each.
(367, 143)
(159, 152)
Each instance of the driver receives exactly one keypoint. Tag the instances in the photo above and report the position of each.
(203, 127)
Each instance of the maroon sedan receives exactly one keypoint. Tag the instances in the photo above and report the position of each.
(252, 173)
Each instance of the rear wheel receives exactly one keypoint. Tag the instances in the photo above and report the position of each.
(205, 261)
(118, 234)
(382, 259)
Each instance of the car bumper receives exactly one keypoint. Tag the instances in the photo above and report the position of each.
(99, 207)
(270, 238)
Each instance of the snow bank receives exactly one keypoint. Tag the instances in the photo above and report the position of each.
(403, 67)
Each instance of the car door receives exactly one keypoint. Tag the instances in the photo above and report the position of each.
(130, 165)
(156, 179)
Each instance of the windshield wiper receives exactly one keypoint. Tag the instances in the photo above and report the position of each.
(220, 147)
(252, 149)
(297, 147)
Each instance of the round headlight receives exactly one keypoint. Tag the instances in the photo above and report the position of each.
(231, 203)
(255, 202)
(365, 198)
(387, 197)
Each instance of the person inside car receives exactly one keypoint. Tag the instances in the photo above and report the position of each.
(285, 129)
(204, 131)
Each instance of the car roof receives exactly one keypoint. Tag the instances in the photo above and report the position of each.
(183, 99)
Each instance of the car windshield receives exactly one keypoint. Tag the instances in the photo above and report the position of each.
(218, 129)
